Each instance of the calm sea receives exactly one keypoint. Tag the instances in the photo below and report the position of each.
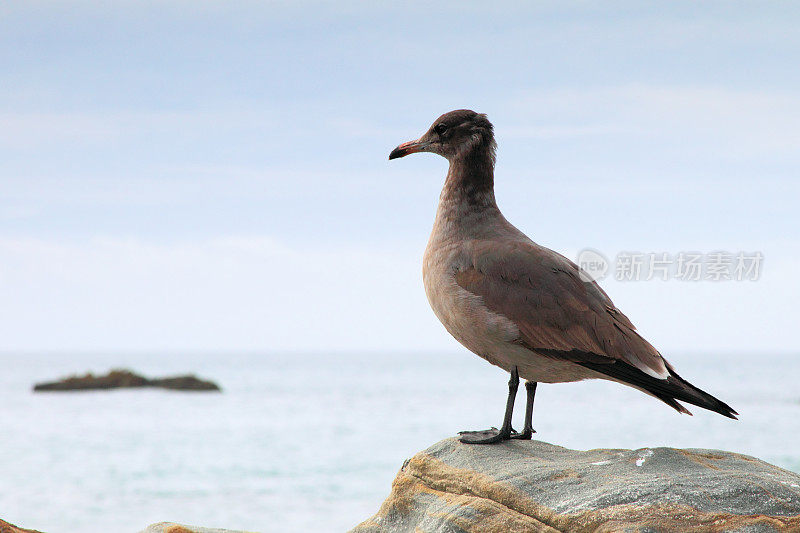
(311, 442)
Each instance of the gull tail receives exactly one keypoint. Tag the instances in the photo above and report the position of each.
(667, 390)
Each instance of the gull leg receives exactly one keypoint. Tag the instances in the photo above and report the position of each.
(528, 431)
(493, 435)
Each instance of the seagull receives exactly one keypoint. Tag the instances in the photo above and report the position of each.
(519, 305)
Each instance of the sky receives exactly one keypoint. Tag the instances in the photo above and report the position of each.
(213, 176)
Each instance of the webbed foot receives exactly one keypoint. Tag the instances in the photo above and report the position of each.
(527, 434)
(487, 436)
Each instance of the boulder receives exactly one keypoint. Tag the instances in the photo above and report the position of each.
(536, 486)
(125, 379)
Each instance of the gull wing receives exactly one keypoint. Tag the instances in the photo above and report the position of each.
(563, 317)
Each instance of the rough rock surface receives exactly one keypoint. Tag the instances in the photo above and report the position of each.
(536, 486)
(169, 527)
(124, 379)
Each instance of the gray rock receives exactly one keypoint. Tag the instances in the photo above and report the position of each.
(536, 486)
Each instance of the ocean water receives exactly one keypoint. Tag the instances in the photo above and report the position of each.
(311, 442)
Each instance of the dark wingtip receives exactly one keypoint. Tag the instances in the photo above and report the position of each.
(727, 410)
(714, 404)
(722, 409)
(668, 391)
(717, 406)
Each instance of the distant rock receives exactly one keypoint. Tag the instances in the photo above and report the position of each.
(125, 379)
(170, 527)
(536, 486)
(5, 527)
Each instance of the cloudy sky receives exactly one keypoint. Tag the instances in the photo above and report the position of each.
(214, 175)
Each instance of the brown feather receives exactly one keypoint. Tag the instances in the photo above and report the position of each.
(555, 311)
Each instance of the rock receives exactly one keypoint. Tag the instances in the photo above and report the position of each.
(161, 527)
(5, 527)
(169, 527)
(536, 486)
(190, 383)
(119, 379)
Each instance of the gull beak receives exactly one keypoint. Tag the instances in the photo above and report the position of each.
(411, 147)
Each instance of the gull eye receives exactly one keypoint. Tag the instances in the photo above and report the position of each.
(440, 128)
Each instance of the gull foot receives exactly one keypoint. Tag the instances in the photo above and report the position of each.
(527, 434)
(487, 436)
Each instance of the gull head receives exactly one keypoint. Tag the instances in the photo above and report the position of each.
(454, 134)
